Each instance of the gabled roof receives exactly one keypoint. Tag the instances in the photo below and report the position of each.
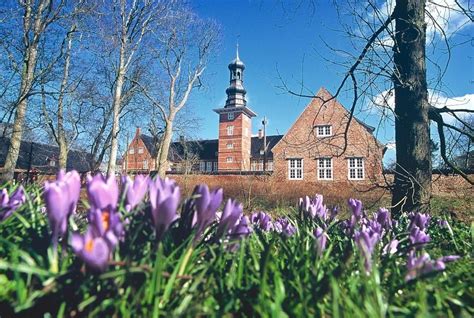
(324, 96)
(38, 155)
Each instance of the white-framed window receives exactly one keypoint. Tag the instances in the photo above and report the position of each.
(209, 166)
(230, 145)
(215, 166)
(230, 130)
(323, 130)
(295, 169)
(253, 165)
(145, 164)
(325, 168)
(140, 150)
(229, 159)
(202, 165)
(269, 165)
(52, 163)
(355, 169)
(230, 116)
(131, 151)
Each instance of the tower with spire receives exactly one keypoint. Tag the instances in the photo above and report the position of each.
(235, 122)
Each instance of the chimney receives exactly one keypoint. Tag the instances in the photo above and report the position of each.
(138, 132)
(260, 134)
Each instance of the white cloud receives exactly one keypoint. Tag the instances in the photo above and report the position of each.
(386, 101)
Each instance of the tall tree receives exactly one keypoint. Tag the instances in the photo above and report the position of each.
(132, 21)
(183, 49)
(37, 17)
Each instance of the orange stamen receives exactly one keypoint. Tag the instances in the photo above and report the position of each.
(105, 220)
(89, 245)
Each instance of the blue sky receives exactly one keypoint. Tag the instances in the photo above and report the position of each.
(277, 39)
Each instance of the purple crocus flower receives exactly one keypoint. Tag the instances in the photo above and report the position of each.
(61, 198)
(164, 199)
(230, 215)
(383, 218)
(420, 220)
(242, 227)
(313, 207)
(92, 249)
(103, 192)
(421, 265)
(321, 240)
(206, 203)
(262, 220)
(357, 212)
(8, 204)
(391, 247)
(418, 237)
(107, 224)
(283, 225)
(366, 241)
(134, 190)
(356, 207)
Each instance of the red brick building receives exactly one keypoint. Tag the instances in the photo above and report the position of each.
(315, 148)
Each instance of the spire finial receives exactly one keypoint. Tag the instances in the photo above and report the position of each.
(237, 53)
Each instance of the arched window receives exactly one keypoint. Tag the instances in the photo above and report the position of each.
(238, 75)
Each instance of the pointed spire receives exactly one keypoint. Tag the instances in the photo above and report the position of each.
(237, 53)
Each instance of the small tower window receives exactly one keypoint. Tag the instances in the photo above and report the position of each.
(238, 75)
(230, 130)
(230, 116)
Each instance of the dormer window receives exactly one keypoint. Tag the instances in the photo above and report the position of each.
(323, 130)
(52, 163)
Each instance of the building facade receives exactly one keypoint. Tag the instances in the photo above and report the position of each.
(317, 147)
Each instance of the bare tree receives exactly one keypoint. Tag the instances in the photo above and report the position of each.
(37, 17)
(132, 21)
(183, 49)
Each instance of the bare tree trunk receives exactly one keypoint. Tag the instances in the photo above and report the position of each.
(412, 189)
(62, 140)
(27, 76)
(165, 146)
(116, 114)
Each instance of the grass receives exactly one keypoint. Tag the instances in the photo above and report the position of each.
(265, 274)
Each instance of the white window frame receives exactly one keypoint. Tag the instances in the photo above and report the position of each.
(293, 166)
(208, 166)
(131, 151)
(355, 168)
(145, 164)
(230, 116)
(323, 130)
(270, 165)
(140, 150)
(230, 145)
(229, 159)
(202, 166)
(214, 166)
(325, 168)
(230, 130)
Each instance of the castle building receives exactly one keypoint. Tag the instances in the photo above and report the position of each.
(316, 148)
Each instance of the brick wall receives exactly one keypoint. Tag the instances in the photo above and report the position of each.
(240, 139)
(301, 141)
(140, 159)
